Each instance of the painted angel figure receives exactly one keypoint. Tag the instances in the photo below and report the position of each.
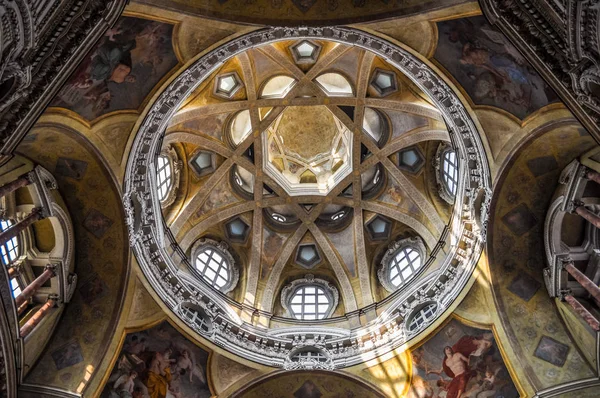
(187, 362)
(456, 363)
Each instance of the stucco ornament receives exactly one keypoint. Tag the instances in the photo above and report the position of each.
(161, 259)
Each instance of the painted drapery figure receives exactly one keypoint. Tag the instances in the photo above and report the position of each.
(460, 362)
(159, 363)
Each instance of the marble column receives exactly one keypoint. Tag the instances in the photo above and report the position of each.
(12, 186)
(16, 229)
(583, 312)
(583, 280)
(37, 317)
(589, 216)
(34, 286)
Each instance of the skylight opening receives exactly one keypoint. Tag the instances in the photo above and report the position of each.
(335, 84)
(240, 127)
(278, 87)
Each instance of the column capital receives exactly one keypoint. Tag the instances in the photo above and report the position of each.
(30, 176)
(55, 297)
(563, 293)
(51, 267)
(574, 205)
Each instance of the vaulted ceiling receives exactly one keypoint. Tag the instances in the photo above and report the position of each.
(305, 155)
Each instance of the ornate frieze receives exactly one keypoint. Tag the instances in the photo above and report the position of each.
(153, 244)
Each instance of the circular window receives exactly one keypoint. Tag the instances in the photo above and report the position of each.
(310, 302)
(422, 317)
(309, 298)
(215, 264)
(10, 249)
(401, 263)
(404, 265)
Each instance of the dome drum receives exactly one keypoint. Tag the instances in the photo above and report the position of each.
(151, 242)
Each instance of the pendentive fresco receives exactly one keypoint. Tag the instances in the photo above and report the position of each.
(121, 70)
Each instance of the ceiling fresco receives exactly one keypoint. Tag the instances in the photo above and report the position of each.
(460, 361)
(123, 68)
(120, 337)
(489, 68)
(302, 12)
(159, 362)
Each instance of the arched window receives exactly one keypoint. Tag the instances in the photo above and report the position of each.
(335, 85)
(401, 262)
(197, 317)
(450, 169)
(164, 176)
(278, 87)
(309, 298)
(10, 249)
(215, 264)
(447, 172)
(422, 316)
(240, 127)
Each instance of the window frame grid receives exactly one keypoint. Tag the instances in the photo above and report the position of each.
(18, 286)
(450, 175)
(422, 316)
(319, 292)
(164, 177)
(395, 263)
(221, 264)
(10, 250)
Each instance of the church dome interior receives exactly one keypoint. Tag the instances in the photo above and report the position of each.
(303, 199)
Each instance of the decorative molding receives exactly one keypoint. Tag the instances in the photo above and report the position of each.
(152, 244)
